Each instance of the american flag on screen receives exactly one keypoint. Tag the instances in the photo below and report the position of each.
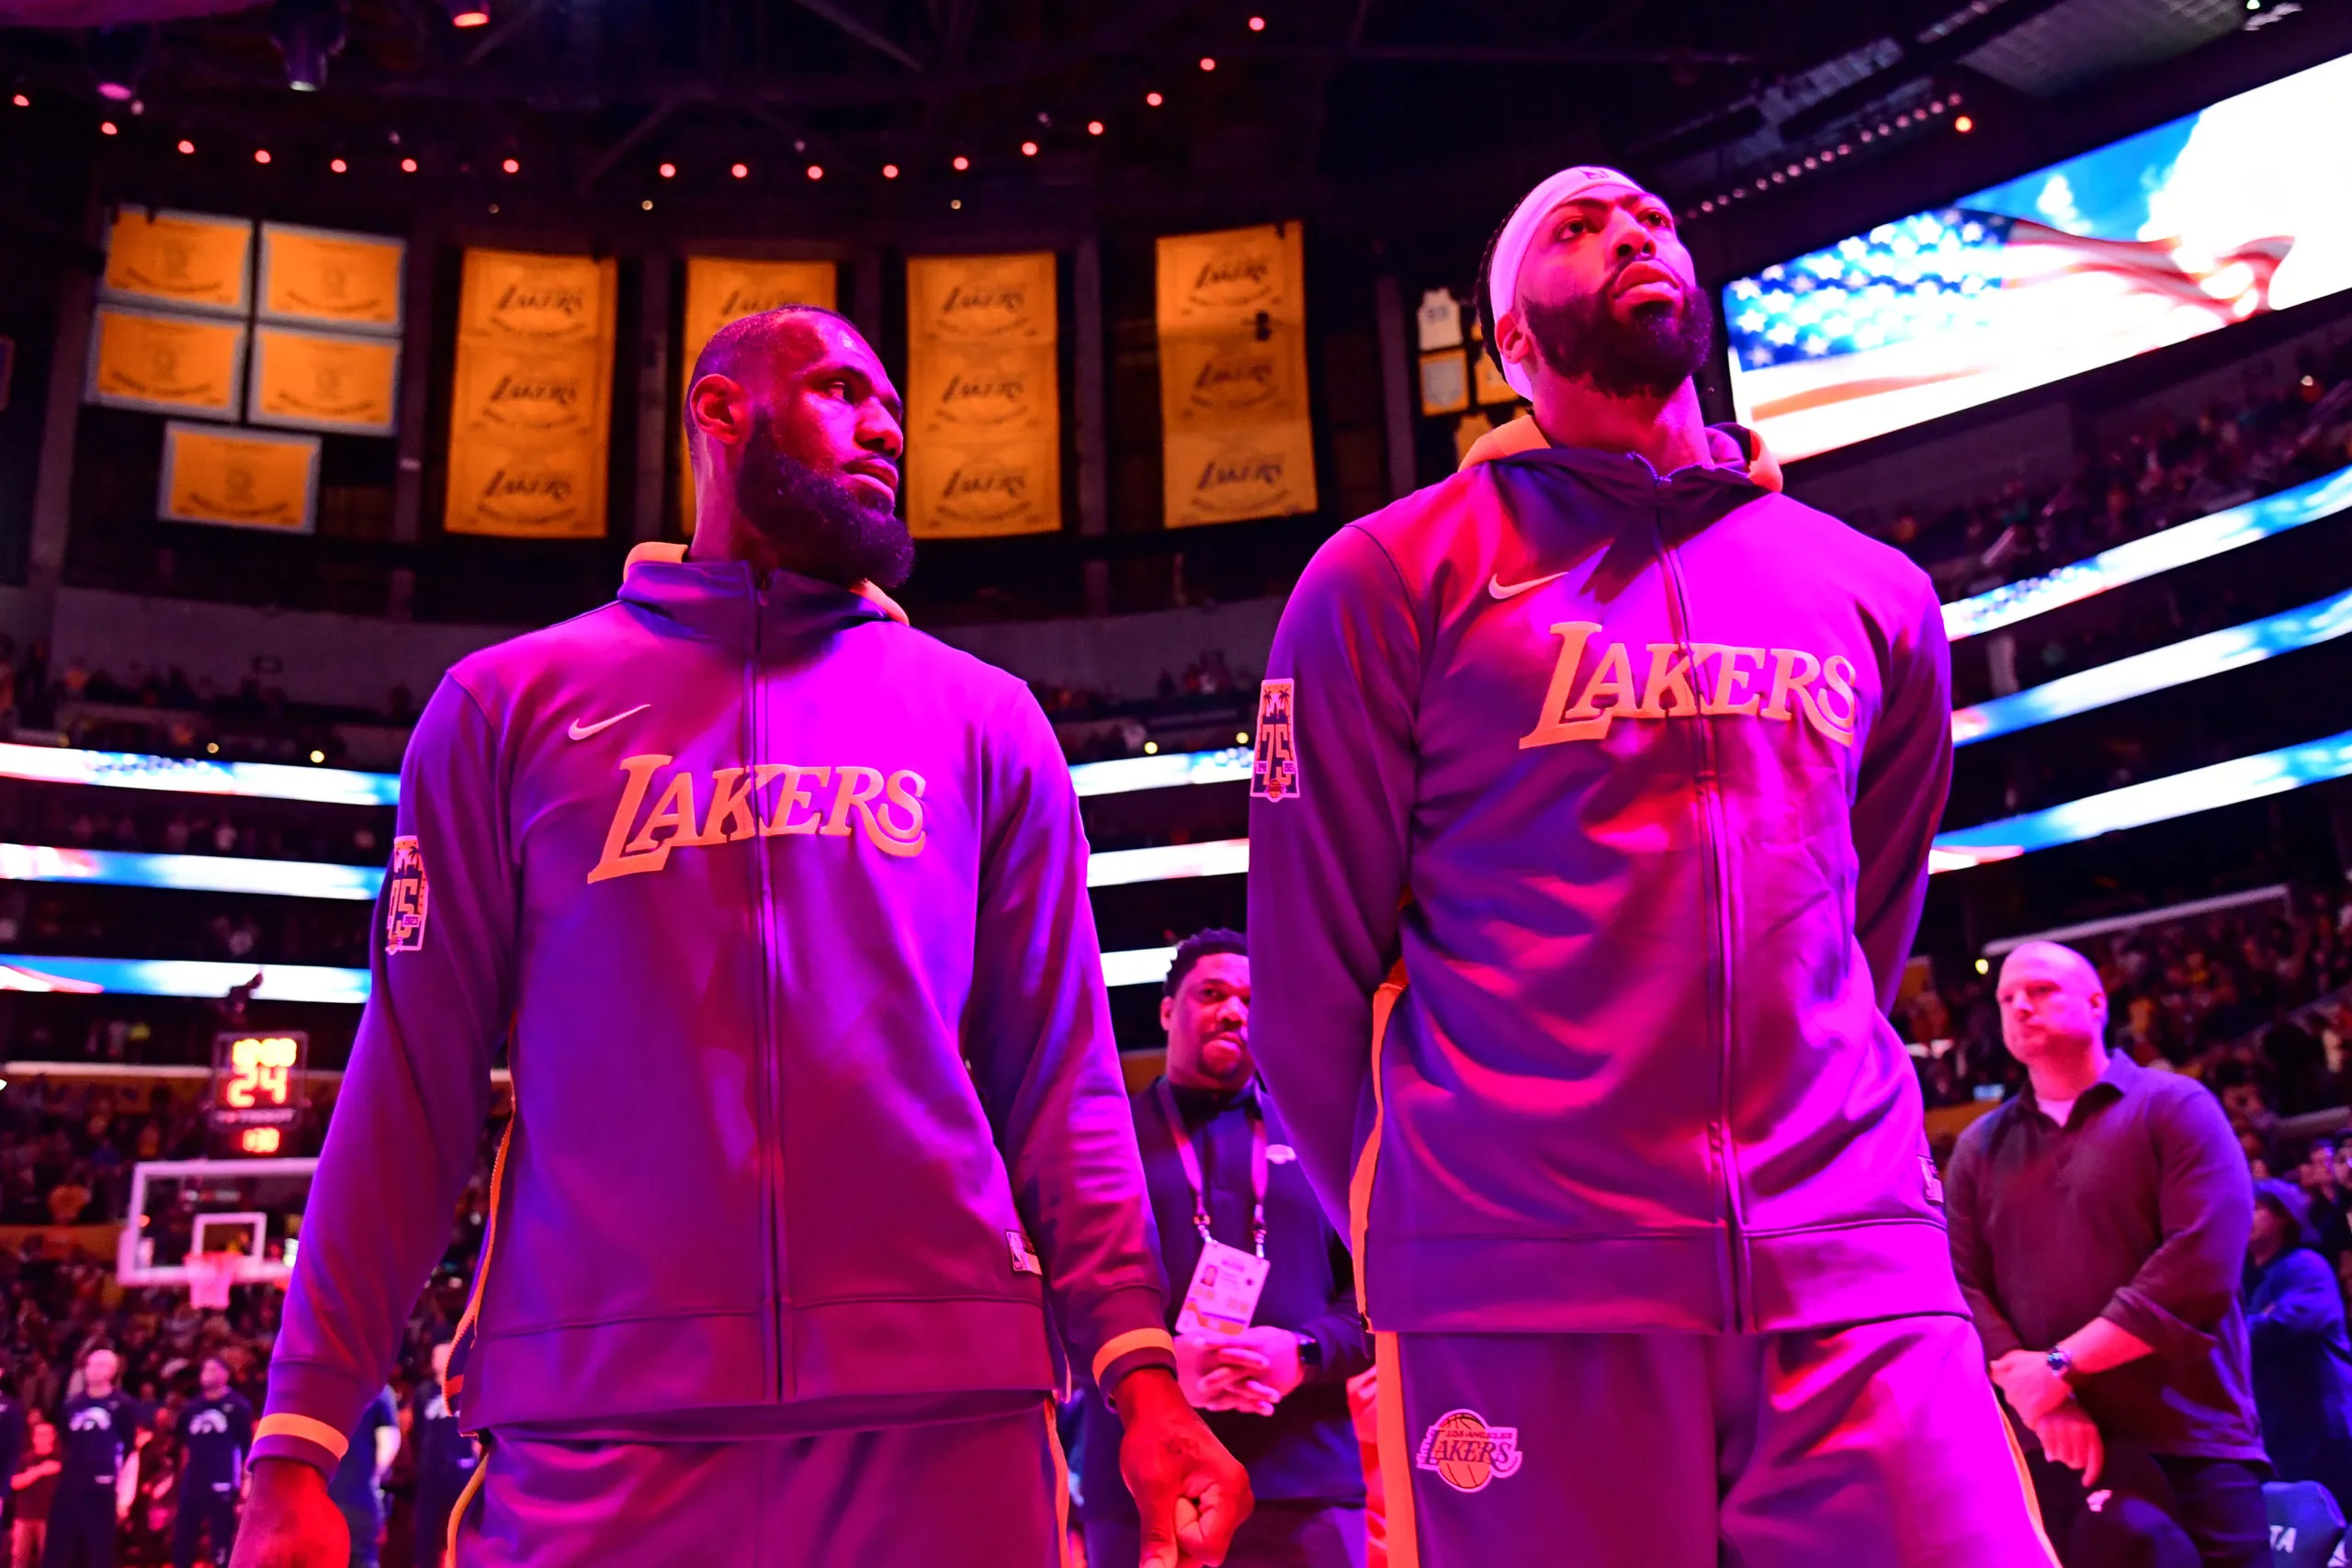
(1945, 310)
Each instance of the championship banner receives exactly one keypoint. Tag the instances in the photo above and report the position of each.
(984, 437)
(721, 289)
(1236, 436)
(242, 479)
(324, 382)
(164, 363)
(187, 259)
(326, 277)
(531, 404)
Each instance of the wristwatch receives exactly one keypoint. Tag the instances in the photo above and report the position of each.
(2061, 1364)
(1311, 1351)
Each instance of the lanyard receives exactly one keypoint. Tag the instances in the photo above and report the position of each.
(1191, 1158)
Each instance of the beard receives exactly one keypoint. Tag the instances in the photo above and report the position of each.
(1649, 356)
(821, 526)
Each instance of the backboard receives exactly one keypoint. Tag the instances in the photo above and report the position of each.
(249, 1207)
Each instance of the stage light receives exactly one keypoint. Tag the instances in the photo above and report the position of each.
(308, 34)
(1984, 965)
(318, 756)
(1093, 128)
(339, 167)
(408, 165)
(1964, 125)
(261, 154)
(119, 57)
(1242, 739)
(1208, 62)
(186, 145)
(668, 171)
(512, 166)
(647, 205)
(741, 171)
(962, 162)
(1028, 149)
(23, 102)
(1151, 749)
(816, 171)
(1257, 24)
(889, 171)
(956, 205)
(468, 13)
(1706, 206)
(108, 128)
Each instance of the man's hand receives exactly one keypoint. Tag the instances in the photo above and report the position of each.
(1189, 1492)
(2071, 1438)
(290, 1521)
(1264, 1367)
(2032, 1389)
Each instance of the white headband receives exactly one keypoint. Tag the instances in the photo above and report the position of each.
(1511, 247)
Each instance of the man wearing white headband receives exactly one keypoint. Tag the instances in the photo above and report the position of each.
(1594, 792)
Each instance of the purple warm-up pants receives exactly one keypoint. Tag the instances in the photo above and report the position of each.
(1878, 1446)
(992, 1490)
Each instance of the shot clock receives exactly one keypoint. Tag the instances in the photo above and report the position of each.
(257, 1089)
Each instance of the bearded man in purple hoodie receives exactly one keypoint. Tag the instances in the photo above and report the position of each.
(1594, 795)
(820, 1170)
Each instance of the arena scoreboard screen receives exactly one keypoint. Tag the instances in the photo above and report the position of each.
(257, 1088)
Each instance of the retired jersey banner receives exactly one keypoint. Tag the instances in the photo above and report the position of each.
(721, 289)
(186, 260)
(984, 432)
(1237, 439)
(326, 277)
(165, 364)
(243, 479)
(324, 382)
(530, 410)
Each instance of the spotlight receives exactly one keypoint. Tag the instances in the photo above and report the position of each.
(1257, 24)
(408, 165)
(308, 34)
(261, 154)
(339, 167)
(816, 171)
(668, 171)
(1045, 118)
(647, 205)
(187, 146)
(1964, 125)
(119, 57)
(1208, 62)
(741, 171)
(1151, 748)
(1154, 99)
(22, 102)
(108, 128)
(468, 13)
(1706, 206)
(1093, 128)
(318, 756)
(512, 165)
(889, 171)
(1028, 149)
(956, 205)
(962, 162)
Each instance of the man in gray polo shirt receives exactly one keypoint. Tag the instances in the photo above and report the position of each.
(2098, 1225)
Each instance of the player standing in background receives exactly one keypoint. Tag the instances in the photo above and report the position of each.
(1594, 796)
(216, 1433)
(445, 1461)
(819, 1136)
(356, 1487)
(102, 1428)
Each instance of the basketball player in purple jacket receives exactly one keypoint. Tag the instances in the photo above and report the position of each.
(820, 1173)
(1594, 797)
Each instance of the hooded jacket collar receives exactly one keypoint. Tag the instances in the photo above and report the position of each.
(722, 601)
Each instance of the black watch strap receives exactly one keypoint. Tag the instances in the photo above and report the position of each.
(1311, 1351)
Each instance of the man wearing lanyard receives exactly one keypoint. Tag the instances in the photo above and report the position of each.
(1267, 1335)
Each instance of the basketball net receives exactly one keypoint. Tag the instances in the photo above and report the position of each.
(209, 1275)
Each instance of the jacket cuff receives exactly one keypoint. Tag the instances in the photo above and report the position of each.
(310, 1411)
(2169, 1336)
(1125, 1353)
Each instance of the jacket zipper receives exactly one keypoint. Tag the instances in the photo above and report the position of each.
(771, 1068)
(1739, 1314)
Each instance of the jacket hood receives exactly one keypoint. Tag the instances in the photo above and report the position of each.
(709, 599)
(1727, 445)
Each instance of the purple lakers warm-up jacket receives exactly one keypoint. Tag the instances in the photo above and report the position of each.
(782, 906)
(1637, 775)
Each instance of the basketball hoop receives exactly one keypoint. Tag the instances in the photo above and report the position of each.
(209, 1275)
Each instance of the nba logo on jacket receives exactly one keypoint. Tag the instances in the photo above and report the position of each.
(1273, 774)
(405, 897)
(1466, 1453)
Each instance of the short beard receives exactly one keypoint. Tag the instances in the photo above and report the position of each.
(818, 524)
(1649, 356)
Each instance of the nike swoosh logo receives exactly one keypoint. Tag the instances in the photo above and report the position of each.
(580, 731)
(1501, 590)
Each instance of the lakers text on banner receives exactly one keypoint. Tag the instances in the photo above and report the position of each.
(187, 259)
(984, 435)
(721, 289)
(324, 382)
(326, 278)
(165, 363)
(245, 479)
(1237, 435)
(531, 403)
